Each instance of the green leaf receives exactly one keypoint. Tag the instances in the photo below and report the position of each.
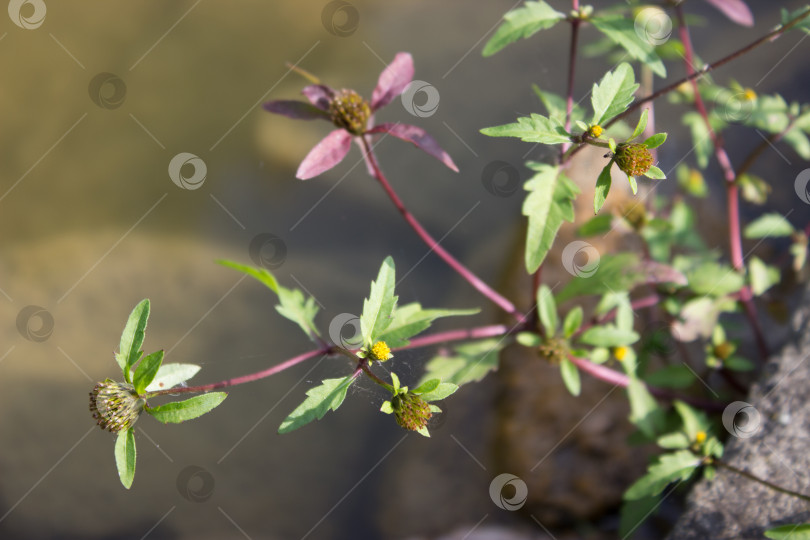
(794, 531)
(668, 468)
(125, 457)
(597, 225)
(535, 128)
(693, 419)
(570, 376)
(738, 363)
(180, 411)
(620, 272)
(573, 320)
(608, 336)
(555, 106)
(799, 142)
(768, 226)
(655, 173)
(753, 188)
(427, 386)
(633, 184)
(674, 441)
(700, 137)
(470, 362)
(379, 305)
(147, 369)
(762, 276)
(675, 376)
(529, 339)
(602, 187)
(804, 26)
(547, 310)
(327, 396)
(442, 391)
(634, 513)
(548, 204)
(622, 31)
(642, 123)
(712, 278)
(292, 303)
(132, 338)
(654, 141)
(613, 93)
(522, 22)
(644, 411)
(170, 375)
(411, 319)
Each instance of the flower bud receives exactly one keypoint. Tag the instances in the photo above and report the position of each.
(115, 406)
(349, 111)
(634, 159)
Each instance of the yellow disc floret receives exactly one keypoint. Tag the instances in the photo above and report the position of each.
(380, 351)
(700, 437)
(595, 131)
(620, 353)
(749, 94)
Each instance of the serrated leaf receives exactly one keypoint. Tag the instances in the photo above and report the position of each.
(570, 376)
(170, 375)
(608, 336)
(602, 187)
(535, 128)
(701, 140)
(768, 226)
(645, 413)
(548, 204)
(642, 123)
(654, 141)
(132, 337)
(327, 396)
(292, 303)
(761, 276)
(146, 371)
(794, 531)
(469, 363)
(125, 457)
(410, 319)
(180, 411)
(379, 306)
(555, 106)
(522, 22)
(439, 393)
(573, 320)
(613, 93)
(547, 310)
(668, 468)
(622, 31)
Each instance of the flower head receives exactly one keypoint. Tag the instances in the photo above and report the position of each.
(411, 411)
(354, 118)
(115, 406)
(380, 351)
(634, 159)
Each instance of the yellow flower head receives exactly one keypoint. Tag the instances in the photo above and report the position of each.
(700, 437)
(380, 351)
(595, 131)
(749, 94)
(620, 353)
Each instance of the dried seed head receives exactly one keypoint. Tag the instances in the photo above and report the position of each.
(634, 159)
(411, 411)
(115, 406)
(349, 111)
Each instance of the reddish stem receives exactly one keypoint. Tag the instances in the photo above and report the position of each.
(462, 270)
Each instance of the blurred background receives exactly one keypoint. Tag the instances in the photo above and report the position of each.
(97, 99)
